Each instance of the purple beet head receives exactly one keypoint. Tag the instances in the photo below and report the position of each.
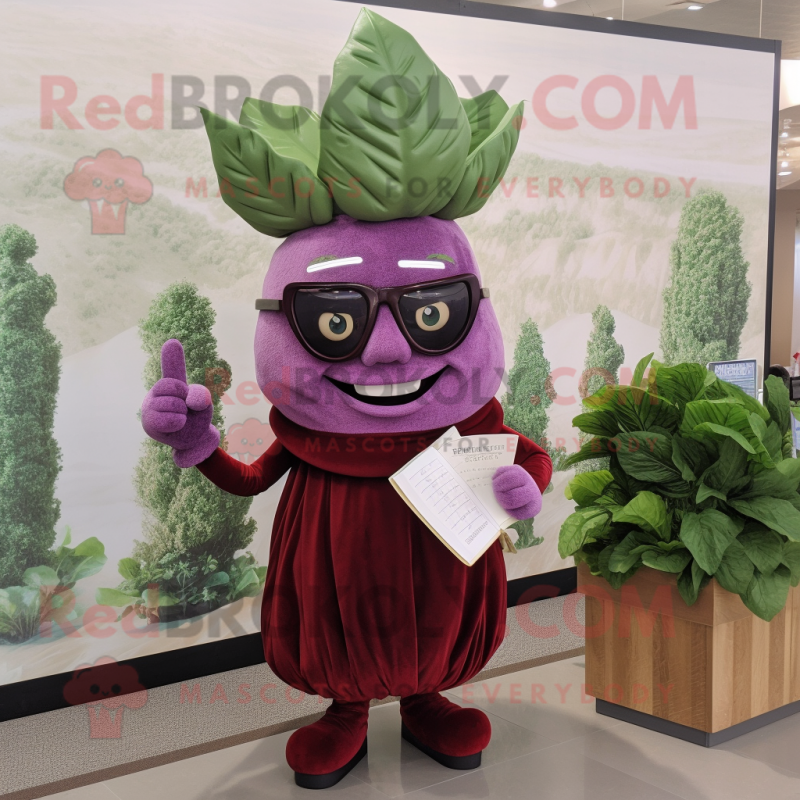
(332, 397)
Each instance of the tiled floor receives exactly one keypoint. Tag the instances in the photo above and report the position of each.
(558, 749)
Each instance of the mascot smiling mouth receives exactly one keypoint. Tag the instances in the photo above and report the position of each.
(388, 394)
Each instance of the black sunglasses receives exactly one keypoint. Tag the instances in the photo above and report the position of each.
(333, 321)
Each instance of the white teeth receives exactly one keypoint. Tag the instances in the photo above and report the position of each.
(388, 389)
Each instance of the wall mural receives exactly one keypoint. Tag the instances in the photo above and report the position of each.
(633, 219)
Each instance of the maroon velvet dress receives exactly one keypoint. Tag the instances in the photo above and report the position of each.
(361, 600)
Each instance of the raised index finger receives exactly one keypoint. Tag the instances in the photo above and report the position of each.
(173, 363)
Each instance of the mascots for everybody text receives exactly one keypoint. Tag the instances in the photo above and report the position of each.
(375, 334)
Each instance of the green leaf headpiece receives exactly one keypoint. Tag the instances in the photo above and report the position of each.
(394, 140)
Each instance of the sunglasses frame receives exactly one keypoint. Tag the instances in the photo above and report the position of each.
(389, 296)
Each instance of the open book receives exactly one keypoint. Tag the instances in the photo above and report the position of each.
(449, 487)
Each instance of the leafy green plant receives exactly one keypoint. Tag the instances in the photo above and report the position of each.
(187, 584)
(700, 483)
(46, 588)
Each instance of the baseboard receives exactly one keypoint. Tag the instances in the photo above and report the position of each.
(693, 735)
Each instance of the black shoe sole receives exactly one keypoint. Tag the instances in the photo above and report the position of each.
(453, 762)
(329, 779)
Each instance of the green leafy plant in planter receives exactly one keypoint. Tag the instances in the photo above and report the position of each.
(179, 586)
(701, 483)
(47, 588)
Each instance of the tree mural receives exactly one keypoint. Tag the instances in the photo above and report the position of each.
(526, 402)
(30, 368)
(192, 529)
(604, 357)
(705, 303)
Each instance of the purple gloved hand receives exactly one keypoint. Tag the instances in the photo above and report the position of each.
(179, 414)
(517, 492)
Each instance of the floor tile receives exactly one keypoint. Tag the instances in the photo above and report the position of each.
(547, 700)
(773, 744)
(687, 770)
(395, 767)
(252, 771)
(557, 773)
(95, 791)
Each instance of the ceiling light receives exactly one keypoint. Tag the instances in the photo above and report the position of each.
(789, 172)
(784, 164)
(609, 17)
(693, 8)
(549, 3)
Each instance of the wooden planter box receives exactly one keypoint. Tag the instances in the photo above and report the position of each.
(705, 673)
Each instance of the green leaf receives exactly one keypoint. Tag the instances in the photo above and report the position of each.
(89, 548)
(274, 193)
(586, 487)
(680, 384)
(647, 511)
(577, 528)
(291, 131)
(628, 553)
(707, 535)
(248, 578)
(721, 390)
(634, 409)
(766, 595)
(393, 123)
(791, 558)
(37, 577)
(638, 373)
(484, 113)
(597, 447)
(735, 571)
(727, 472)
(780, 515)
(616, 579)
(704, 492)
(217, 579)
(776, 400)
(598, 423)
(690, 457)
(114, 598)
(773, 443)
(719, 419)
(674, 561)
(691, 582)
(129, 568)
(486, 165)
(647, 456)
(165, 600)
(763, 546)
(76, 569)
(781, 482)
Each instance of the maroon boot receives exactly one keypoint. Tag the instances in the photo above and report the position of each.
(452, 735)
(322, 753)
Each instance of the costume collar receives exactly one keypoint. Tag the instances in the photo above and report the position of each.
(375, 455)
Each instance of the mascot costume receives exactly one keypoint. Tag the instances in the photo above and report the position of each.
(375, 334)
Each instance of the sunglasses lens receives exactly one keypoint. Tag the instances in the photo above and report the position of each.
(435, 317)
(332, 321)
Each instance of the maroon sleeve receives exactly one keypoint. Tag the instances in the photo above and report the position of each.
(247, 480)
(533, 459)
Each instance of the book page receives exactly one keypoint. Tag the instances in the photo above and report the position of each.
(446, 505)
(476, 459)
(449, 487)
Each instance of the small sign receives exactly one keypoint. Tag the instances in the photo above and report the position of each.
(742, 373)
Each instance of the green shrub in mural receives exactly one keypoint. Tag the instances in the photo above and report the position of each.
(525, 405)
(192, 529)
(35, 579)
(604, 357)
(705, 303)
(30, 367)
